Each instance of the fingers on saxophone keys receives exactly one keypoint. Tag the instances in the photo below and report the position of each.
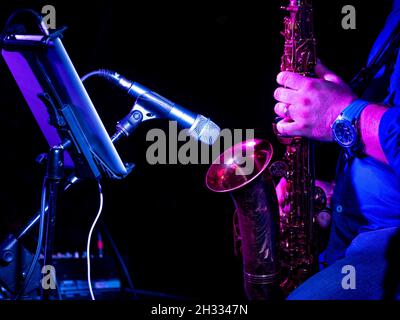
(291, 80)
(285, 95)
(289, 127)
(282, 110)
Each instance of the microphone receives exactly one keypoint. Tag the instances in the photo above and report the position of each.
(200, 127)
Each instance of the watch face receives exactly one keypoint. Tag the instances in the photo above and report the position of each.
(344, 133)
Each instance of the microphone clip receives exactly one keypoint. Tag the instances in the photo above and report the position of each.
(131, 121)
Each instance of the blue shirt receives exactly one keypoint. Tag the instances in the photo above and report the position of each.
(367, 192)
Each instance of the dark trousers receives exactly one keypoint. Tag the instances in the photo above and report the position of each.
(370, 270)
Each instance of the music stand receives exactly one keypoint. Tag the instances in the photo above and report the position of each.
(65, 114)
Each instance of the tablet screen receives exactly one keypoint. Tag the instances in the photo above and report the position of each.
(47, 78)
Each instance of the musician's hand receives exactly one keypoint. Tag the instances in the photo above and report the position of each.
(309, 106)
(282, 192)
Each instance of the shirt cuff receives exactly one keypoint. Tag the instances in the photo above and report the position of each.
(389, 136)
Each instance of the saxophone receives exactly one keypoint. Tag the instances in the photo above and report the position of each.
(279, 251)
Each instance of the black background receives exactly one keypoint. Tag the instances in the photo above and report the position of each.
(216, 58)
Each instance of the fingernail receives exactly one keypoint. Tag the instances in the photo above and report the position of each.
(276, 94)
(279, 77)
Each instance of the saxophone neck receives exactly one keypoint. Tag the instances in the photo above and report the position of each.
(300, 45)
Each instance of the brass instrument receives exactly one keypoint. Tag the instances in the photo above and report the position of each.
(279, 251)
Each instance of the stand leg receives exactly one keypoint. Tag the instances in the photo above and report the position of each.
(54, 176)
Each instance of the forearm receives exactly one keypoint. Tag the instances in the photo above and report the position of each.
(370, 120)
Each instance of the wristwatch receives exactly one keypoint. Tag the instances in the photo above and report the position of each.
(345, 128)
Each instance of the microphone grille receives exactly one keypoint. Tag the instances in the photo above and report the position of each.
(205, 130)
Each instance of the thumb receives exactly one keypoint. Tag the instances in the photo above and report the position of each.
(324, 73)
(280, 191)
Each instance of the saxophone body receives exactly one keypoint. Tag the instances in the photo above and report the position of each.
(298, 254)
(278, 251)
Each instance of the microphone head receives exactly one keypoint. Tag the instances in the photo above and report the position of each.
(205, 130)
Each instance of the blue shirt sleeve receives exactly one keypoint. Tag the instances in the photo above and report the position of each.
(389, 136)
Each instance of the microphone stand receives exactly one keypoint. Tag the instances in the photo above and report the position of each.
(54, 176)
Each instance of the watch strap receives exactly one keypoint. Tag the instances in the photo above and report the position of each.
(353, 110)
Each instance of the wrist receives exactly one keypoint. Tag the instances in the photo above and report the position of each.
(340, 108)
(370, 119)
(346, 130)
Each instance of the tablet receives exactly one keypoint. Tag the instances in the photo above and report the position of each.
(61, 105)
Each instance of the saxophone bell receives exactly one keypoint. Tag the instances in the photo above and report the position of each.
(227, 173)
(253, 193)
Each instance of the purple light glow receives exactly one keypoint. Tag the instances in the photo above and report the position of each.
(30, 88)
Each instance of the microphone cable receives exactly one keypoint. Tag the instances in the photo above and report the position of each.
(89, 280)
(110, 75)
(102, 73)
